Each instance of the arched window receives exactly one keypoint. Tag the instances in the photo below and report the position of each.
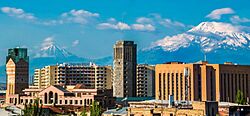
(85, 102)
(56, 98)
(88, 101)
(50, 97)
(45, 98)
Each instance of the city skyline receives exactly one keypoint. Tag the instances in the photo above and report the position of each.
(124, 57)
(92, 24)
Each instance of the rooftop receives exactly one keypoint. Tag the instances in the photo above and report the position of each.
(122, 111)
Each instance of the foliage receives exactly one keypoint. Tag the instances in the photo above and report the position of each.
(240, 98)
(84, 112)
(33, 109)
(95, 109)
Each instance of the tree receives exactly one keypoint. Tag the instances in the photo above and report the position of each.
(84, 112)
(240, 98)
(95, 109)
(33, 110)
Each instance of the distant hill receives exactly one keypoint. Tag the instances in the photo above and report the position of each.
(53, 54)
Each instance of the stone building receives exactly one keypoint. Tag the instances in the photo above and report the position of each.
(56, 95)
(124, 75)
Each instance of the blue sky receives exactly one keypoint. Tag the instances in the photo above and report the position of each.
(89, 28)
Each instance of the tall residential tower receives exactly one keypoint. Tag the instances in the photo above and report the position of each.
(17, 72)
(124, 75)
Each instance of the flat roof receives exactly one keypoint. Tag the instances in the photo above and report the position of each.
(122, 111)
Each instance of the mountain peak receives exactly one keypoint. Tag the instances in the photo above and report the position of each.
(215, 27)
(53, 50)
(209, 36)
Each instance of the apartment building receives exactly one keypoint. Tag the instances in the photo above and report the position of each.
(91, 75)
(145, 80)
(46, 76)
(202, 81)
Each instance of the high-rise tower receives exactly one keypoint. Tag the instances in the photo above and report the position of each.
(124, 78)
(17, 72)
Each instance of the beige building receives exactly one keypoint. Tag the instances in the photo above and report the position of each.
(92, 76)
(46, 76)
(202, 81)
(124, 78)
(145, 80)
(56, 95)
(162, 108)
(17, 72)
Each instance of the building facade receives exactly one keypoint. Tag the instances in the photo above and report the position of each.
(91, 75)
(202, 81)
(56, 95)
(124, 78)
(17, 72)
(45, 76)
(162, 108)
(145, 80)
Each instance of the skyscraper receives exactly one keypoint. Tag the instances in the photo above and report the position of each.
(17, 72)
(124, 75)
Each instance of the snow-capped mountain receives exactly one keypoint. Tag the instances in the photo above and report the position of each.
(209, 36)
(53, 50)
(219, 41)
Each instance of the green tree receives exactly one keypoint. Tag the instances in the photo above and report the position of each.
(84, 112)
(95, 109)
(240, 98)
(33, 109)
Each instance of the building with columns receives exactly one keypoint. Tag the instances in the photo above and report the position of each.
(17, 72)
(202, 81)
(56, 95)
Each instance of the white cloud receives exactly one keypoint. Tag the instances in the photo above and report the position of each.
(79, 16)
(236, 19)
(143, 27)
(19, 13)
(217, 13)
(47, 42)
(170, 23)
(144, 20)
(123, 26)
(73, 16)
(117, 26)
(111, 20)
(75, 43)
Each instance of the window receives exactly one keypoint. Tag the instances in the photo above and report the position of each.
(159, 85)
(66, 101)
(76, 101)
(70, 102)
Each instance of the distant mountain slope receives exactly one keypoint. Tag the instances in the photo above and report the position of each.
(220, 42)
(53, 54)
